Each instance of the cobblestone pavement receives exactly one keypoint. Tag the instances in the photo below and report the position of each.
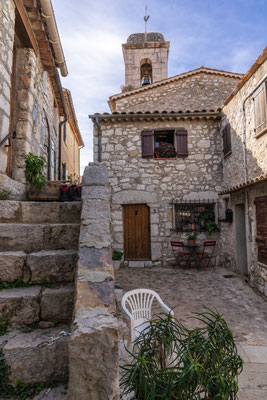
(189, 291)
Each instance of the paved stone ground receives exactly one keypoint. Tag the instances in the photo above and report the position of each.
(189, 291)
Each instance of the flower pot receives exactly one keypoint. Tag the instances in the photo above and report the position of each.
(116, 264)
(191, 241)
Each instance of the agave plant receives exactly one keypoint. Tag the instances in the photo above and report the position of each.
(171, 362)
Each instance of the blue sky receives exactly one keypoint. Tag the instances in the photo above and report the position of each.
(222, 34)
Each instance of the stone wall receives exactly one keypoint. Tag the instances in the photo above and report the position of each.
(30, 94)
(93, 349)
(156, 182)
(255, 146)
(196, 92)
(7, 22)
(234, 174)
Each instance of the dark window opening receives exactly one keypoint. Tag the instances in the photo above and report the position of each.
(164, 144)
(146, 72)
(227, 140)
(64, 171)
(193, 217)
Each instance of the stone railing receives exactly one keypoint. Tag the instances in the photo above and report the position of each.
(93, 348)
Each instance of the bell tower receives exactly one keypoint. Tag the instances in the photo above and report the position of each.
(145, 58)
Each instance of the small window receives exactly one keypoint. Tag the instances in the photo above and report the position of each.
(260, 109)
(193, 217)
(45, 81)
(164, 144)
(227, 140)
(64, 171)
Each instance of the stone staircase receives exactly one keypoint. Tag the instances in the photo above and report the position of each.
(38, 253)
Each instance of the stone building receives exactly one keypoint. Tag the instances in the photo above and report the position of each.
(155, 197)
(215, 160)
(244, 184)
(33, 110)
(71, 143)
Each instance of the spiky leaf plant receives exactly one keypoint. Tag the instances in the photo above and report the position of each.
(171, 362)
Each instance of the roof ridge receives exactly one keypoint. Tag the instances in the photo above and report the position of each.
(176, 77)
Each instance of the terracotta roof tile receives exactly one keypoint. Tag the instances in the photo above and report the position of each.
(243, 185)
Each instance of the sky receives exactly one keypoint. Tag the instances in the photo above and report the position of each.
(221, 34)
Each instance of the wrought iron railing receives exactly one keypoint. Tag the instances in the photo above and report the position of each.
(8, 136)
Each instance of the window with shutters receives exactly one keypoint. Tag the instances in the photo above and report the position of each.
(227, 140)
(260, 109)
(164, 143)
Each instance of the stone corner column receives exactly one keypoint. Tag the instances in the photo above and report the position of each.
(93, 347)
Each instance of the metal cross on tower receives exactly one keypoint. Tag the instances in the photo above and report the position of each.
(146, 18)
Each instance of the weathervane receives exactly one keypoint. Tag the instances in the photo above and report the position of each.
(146, 18)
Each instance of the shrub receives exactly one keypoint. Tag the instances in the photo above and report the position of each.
(172, 362)
(34, 171)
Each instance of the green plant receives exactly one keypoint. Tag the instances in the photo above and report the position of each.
(4, 195)
(211, 227)
(16, 284)
(191, 235)
(34, 171)
(171, 362)
(3, 325)
(117, 255)
(22, 391)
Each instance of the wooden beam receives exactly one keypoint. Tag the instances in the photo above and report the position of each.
(23, 26)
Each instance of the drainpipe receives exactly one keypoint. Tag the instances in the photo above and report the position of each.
(49, 17)
(99, 139)
(65, 112)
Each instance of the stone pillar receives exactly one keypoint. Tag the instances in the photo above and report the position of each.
(93, 348)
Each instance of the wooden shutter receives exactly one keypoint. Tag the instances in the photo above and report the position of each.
(182, 142)
(261, 219)
(226, 139)
(260, 108)
(147, 144)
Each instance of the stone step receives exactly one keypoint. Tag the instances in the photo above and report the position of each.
(28, 305)
(55, 266)
(36, 237)
(46, 363)
(33, 212)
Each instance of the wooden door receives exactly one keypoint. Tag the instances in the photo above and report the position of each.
(261, 218)
(136, 225)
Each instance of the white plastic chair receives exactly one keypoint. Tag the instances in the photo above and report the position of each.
(137, 304)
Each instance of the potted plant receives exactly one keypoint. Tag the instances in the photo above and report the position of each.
(191, 237)
(207, 220)
(170, 361)
(165, 150)
(117, 257)
(35, 178)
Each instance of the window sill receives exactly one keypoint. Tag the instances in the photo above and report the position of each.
(227, 154)
(165, 158)
(262, 132)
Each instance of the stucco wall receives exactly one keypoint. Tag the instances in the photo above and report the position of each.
(70, 154)
(197, 92)
(7, 21)
(156, 182)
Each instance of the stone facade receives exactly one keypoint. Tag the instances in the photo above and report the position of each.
(156, 182)
(7, 18)
(245, 163)
(201, 89)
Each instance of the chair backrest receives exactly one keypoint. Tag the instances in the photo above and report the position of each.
(209, 243)
(177, 244)
(137, 304)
